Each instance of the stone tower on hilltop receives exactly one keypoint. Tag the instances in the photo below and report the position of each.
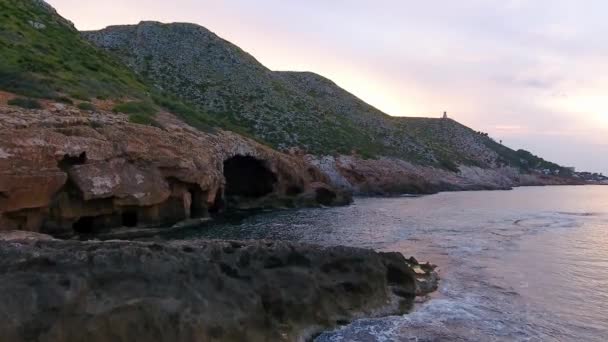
(445, 115)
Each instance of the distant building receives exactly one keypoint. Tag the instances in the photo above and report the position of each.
(445, 115)
(571, 168)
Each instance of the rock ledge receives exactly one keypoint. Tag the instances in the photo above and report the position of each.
(196, 290)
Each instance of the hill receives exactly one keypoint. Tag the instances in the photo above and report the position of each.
(42, 55)
(290, 109)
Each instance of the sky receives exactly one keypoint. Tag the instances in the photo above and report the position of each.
(533, 73)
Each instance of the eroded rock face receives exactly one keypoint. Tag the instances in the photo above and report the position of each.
(387, 176)
(63, 170)
(196, 290)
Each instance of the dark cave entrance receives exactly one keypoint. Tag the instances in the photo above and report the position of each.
(84, 225)
(248, 177)
(129, 219)
(325, 196)
(68, 161)
(197, 203)
(218, 203)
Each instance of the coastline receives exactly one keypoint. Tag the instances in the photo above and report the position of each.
(95, 166)
(99, 173)
(160, 183)
(189, 290)
(391, 176)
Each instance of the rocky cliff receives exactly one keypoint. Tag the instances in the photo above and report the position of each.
(197, 290)
(393, 176)
(64, 170)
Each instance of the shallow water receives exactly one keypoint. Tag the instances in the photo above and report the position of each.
(523, 265)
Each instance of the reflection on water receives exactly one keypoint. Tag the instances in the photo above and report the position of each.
(524, 265)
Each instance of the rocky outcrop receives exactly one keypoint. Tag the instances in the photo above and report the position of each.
(544, 180)
(391, 176)
(197, 290)
(64, 170)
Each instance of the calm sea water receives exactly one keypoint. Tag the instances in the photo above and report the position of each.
(523, 265)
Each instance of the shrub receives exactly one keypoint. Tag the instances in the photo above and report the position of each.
(25, 103)
(80, 96)
(188, 113)
(86, 106)
(141, 119)
(139, 112)
(449, 165)
(64, 99)
(25, 84)
(136, 108)
(96, 124)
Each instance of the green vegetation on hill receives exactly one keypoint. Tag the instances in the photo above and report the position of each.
(43, 56)
(209, 82)
(25, 103)
(140, 112)
(230, 89)
(525, 160)
(86, 106)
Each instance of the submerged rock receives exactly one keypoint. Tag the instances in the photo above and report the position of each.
(194, 291)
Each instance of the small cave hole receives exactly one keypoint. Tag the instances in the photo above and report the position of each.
(84, 225)
(248, 177)
(129, 219)
(68, 161)
(294, 190)
(197, 203)
(218, 203)
(325, 196)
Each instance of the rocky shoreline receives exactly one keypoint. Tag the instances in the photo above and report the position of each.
(66, 171)
(391, 176)
(55, 290)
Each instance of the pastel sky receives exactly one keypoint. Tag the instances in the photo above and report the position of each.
(533, 73)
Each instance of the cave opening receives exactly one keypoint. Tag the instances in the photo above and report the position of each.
(197, 203)
(218, 203)
(129, 219)
(325, 196)
(84, 225)
(294, 190)
(68, 161)
(248, 177)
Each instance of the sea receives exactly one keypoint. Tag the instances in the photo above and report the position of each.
(529, 264)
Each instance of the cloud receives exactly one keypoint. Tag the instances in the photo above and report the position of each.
(511, 129)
